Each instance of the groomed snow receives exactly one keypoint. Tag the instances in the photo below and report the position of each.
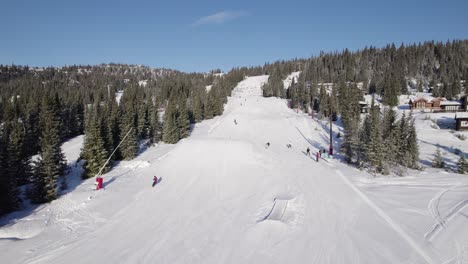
(224, 197)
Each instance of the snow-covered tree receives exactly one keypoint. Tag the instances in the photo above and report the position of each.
(438, 161)
(462, 165)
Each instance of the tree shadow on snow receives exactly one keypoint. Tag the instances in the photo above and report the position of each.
(446, 122)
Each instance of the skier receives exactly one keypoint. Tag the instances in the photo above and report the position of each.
(235, 121)
(317, 156)
(308, 151)
(155, 180)
(267, 145)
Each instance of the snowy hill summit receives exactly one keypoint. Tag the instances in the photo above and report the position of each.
(226, 196)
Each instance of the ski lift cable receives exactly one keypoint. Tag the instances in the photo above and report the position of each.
(108, 159)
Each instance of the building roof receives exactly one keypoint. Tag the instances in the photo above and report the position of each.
(450, 103)
(461, 115)
(442, 99)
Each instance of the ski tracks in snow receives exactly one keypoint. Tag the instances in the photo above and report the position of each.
(387, 219)
(442, 221)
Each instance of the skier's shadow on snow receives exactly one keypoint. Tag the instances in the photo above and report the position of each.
(305, 154)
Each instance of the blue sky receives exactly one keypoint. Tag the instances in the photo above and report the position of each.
(203, 35)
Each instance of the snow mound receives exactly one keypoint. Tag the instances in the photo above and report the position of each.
(135, 164)
(28, 227)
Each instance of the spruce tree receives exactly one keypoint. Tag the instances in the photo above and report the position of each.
(170, 133)
(412, 146)
(210, 106)
(94, 150)
(156, 126)
(462, 165)
(323, 103)
(390, 136)
(351, 118)
(18, 163)
(438, 161)
(183, 122)
(401, 139)
(129, 146)
(143, 122)
(9, 193)
(375, 146)
(197, 109)
(51, 164)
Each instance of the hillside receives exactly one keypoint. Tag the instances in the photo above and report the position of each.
(224, 197)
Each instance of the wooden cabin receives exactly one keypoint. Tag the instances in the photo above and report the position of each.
(436, 102)
(420, 103)
(461, 120)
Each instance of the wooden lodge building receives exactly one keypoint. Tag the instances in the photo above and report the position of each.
(439, 104)
(461, 120)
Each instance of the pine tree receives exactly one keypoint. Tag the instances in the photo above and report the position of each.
(375, 146)
(156, 126)
(412, 144)
(170, 133)
(197, 109)
(129, 147)
(9, 193)
(456, 87)
(350, 109)
(94, 151)
(183, 122)
(210, 106)
(51, 164)
(323, 103)
(143, 122)
(401, 139)
(462, 165)
(390, 136)
(438, 161)
(18, 164)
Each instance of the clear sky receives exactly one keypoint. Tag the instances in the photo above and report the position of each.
(200, 35)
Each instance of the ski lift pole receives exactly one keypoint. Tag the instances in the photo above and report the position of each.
(108, 159)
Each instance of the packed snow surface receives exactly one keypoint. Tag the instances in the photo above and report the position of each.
(224, 196)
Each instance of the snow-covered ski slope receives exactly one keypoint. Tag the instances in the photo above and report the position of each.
(225, 197)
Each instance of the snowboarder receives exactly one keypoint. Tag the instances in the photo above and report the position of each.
(308, 151)
(155, 181)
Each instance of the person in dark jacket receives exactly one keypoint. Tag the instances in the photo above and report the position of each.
(155, 180)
